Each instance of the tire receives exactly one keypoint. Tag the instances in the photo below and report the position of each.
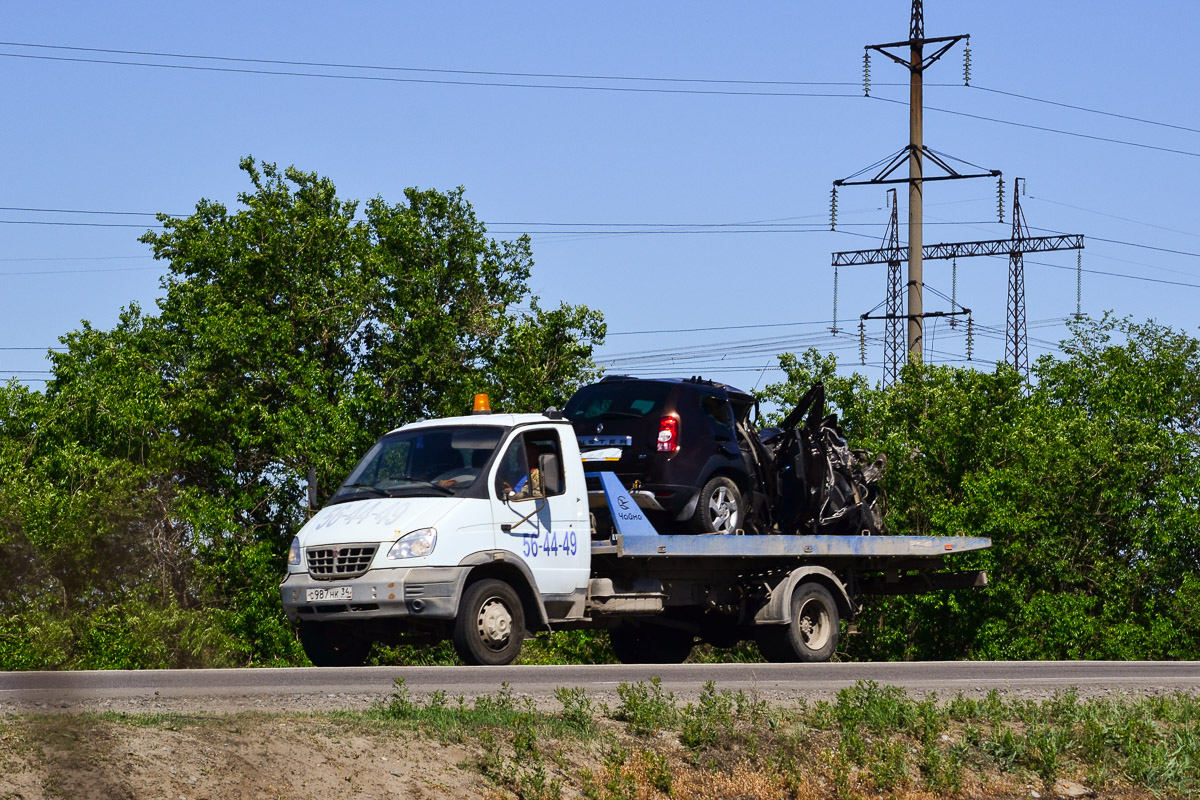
(490, 627)
(329, 645)
(719, 507)
(650, 644)
(812, 635)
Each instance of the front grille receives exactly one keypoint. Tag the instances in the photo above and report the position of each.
(344, 561)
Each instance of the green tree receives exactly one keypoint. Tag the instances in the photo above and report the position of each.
(1088, 486)
(291, 333)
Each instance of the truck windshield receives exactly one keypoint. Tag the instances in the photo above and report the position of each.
(426, 462)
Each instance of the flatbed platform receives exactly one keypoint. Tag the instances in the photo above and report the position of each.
(637, 537)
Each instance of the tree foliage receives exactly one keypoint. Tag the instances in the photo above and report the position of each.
(1087, 485)
(148, 496)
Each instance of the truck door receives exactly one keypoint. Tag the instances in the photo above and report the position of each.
(537, 518)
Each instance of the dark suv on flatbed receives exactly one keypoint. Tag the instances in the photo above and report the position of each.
(679, 445)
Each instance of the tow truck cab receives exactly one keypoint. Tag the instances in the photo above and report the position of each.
(434, 510)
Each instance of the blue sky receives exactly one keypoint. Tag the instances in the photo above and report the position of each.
(629, 196)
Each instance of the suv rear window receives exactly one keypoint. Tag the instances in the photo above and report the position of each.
(632, 400)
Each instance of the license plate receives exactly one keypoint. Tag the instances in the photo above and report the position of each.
(334, 593)
(603, 454)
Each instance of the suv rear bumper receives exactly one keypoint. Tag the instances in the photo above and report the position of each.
(668, 498)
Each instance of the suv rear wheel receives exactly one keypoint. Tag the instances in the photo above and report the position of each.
(719, 507)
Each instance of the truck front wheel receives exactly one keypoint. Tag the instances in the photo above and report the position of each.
(490, 627)
(812, 635)
(327, 644)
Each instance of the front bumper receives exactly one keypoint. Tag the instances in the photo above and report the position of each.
(413, 592)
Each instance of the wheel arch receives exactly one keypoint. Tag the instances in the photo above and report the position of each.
(740, 479)
(494, 564)
(778, 609)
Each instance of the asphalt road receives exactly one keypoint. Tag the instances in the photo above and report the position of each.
(221, 691)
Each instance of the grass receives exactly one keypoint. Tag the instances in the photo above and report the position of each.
(870, 741)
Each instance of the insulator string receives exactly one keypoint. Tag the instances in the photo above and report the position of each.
(834, 329)
(1078, 284)
(953, 292)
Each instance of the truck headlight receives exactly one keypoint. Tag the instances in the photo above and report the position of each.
(294, 552)
(413, 545)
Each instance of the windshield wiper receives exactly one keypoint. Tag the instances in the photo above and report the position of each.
(621, 414)
(367, 487)
(430, 484)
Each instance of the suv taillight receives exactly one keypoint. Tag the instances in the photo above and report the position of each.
(668, 434)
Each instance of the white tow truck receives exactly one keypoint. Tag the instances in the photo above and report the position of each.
(482, 529)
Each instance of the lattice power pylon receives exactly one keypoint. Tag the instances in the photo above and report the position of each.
(1015, 247)
(893, 332)
(1016, 340)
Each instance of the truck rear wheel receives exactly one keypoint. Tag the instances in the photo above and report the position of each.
(650, 644)
(490, 627)
(811, 636)
(328, 644)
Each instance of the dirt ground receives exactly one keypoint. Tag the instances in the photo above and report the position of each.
(150, 750)
(277, 756)
(225, 757)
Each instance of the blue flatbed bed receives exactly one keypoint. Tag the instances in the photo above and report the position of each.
(636, 537)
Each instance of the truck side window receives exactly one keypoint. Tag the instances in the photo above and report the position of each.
(513, 472)
(531, 466)
(547, 461)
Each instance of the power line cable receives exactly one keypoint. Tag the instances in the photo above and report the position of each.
(1142, 278)
(572, 76)
(554, 76)
(60, 223)
(1114, 216)
(380, 67)
(433, 81)
(80, 271)
(82, 211)
(720, 328)
(73, 258)
(1046, 129)
(1085, 108)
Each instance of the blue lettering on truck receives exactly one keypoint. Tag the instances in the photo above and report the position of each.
(551, 545)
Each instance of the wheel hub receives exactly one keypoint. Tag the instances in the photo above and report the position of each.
(724, 513)
(814, 625)
(495, 623)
